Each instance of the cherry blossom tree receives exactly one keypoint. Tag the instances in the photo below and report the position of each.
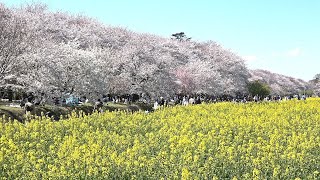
(14, 41)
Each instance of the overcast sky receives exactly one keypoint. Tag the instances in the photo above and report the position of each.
(281, 36)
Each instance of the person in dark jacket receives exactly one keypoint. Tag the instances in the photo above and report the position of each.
(28, 107)
(98, 105)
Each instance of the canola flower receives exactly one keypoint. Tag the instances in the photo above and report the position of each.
(274, 140)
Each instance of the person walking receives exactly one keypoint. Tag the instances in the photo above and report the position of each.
(98, 105)
(28, 107)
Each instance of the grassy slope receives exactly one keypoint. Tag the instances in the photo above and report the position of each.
(57, 112)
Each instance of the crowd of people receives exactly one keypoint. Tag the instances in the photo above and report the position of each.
(190, 100)
(29, 102)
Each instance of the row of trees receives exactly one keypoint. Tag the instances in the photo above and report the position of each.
(282, 85)
(56, 53)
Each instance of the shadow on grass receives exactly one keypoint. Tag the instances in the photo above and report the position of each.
(11, 115)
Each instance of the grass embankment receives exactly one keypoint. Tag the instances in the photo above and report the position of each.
(61, 112)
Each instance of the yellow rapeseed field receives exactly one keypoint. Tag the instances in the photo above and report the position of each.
(274, 140)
